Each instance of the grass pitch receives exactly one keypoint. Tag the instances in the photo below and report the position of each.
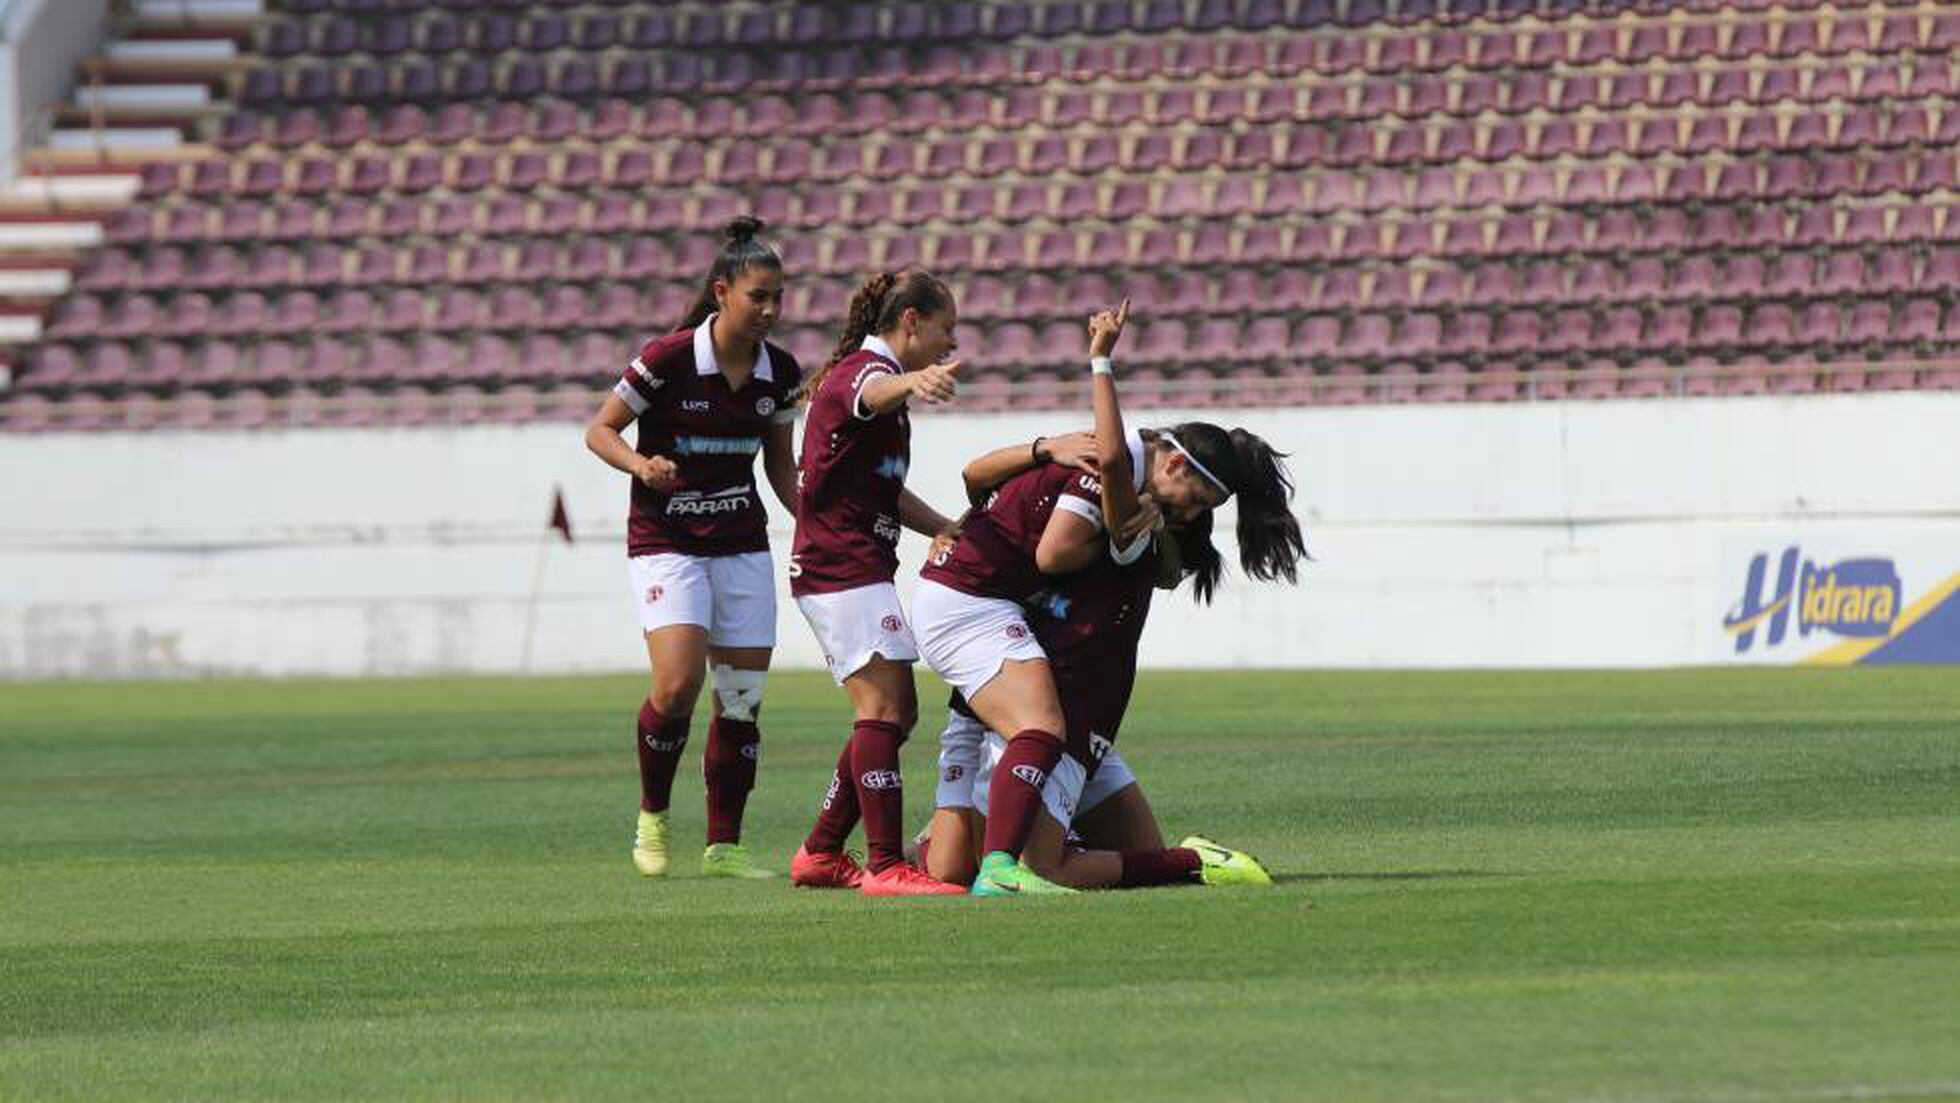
(1695, 885)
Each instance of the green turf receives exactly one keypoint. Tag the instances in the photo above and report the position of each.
(1696, 885)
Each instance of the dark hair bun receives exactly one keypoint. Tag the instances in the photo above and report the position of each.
(742, 230)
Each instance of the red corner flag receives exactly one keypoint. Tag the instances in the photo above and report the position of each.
(560, 520)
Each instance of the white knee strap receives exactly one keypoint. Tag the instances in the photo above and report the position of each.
(739, 691)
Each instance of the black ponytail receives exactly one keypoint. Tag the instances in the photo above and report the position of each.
(1202, 563)
(741, 250)
(1270, 543)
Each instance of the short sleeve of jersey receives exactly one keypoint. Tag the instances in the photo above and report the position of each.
(640, 381)
(870, 370)
(1082, 496)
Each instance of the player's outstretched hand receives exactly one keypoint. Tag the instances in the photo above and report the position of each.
(1077, 450)
(936, 383)
(658, 472)
(1105, 328)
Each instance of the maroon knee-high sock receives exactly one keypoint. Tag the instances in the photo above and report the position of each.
(880, 790)
(839, 813)
(734, 748)
(1014, 794)
(661, 741)
(1175, 866)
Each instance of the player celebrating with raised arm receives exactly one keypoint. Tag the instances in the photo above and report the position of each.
(1090, 623)
(851, 504)
(974, 631)
(706, 398)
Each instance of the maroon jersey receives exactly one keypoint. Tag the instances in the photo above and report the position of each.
(995, 553)
(688, 413)
(848, 480)
(1090, 624)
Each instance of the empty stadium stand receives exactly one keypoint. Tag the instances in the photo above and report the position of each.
(409, 213)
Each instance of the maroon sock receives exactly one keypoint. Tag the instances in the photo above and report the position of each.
(661, 741)
(1014, 794)
(734, 747)
(880, 790)
(839, 814)
(1175, 866)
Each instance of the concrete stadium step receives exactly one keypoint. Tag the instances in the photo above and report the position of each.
(125, 99)
(111, 148)
(35, 283)
(207, 61)
(79, 192)
(19, 329)
(46, 235)
(172, 49)
(154, 19)
(148, 139)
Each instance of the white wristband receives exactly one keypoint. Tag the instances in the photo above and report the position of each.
(1101, 365)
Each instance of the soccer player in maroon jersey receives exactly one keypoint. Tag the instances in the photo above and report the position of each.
(971, 625)
(851, 504)
(1089, 623)
(707, 398)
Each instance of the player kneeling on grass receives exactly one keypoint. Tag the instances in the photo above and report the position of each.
(1061, 680)
(1112, 839)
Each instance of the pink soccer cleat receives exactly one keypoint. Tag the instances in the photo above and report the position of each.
(901, 879)
(824, 870)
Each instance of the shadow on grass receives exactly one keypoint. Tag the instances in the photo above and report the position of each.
(1413, 875)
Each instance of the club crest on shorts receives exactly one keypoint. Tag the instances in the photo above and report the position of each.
(1016, 632)
(891, 623)
(765, 405)
(654, 593)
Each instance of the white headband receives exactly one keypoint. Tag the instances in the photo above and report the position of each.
(1202, 469)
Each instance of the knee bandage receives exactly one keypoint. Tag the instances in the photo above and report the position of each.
(739, 691)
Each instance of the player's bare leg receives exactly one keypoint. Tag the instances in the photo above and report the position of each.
(1123, 821)
(1048, 854)
(952, 853)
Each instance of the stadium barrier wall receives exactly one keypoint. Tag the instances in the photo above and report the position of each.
(1603, 534)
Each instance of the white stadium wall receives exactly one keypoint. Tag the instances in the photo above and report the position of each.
(1608, 534)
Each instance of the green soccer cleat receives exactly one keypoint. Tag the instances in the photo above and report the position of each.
(1225, 866)
(1001, 874)
(732, 860)
(650, 844)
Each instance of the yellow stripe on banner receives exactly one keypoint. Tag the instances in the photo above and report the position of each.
(1739, 627)
(1853, 651)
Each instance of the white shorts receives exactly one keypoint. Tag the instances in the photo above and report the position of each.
(1070, 792)
(732, 596)
(853, 626)
(962, 749)
(965, 639)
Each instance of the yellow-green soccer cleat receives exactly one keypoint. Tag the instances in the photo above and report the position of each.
(732, 860)
(1001, 874)
(1225, 866)
(650, 844)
